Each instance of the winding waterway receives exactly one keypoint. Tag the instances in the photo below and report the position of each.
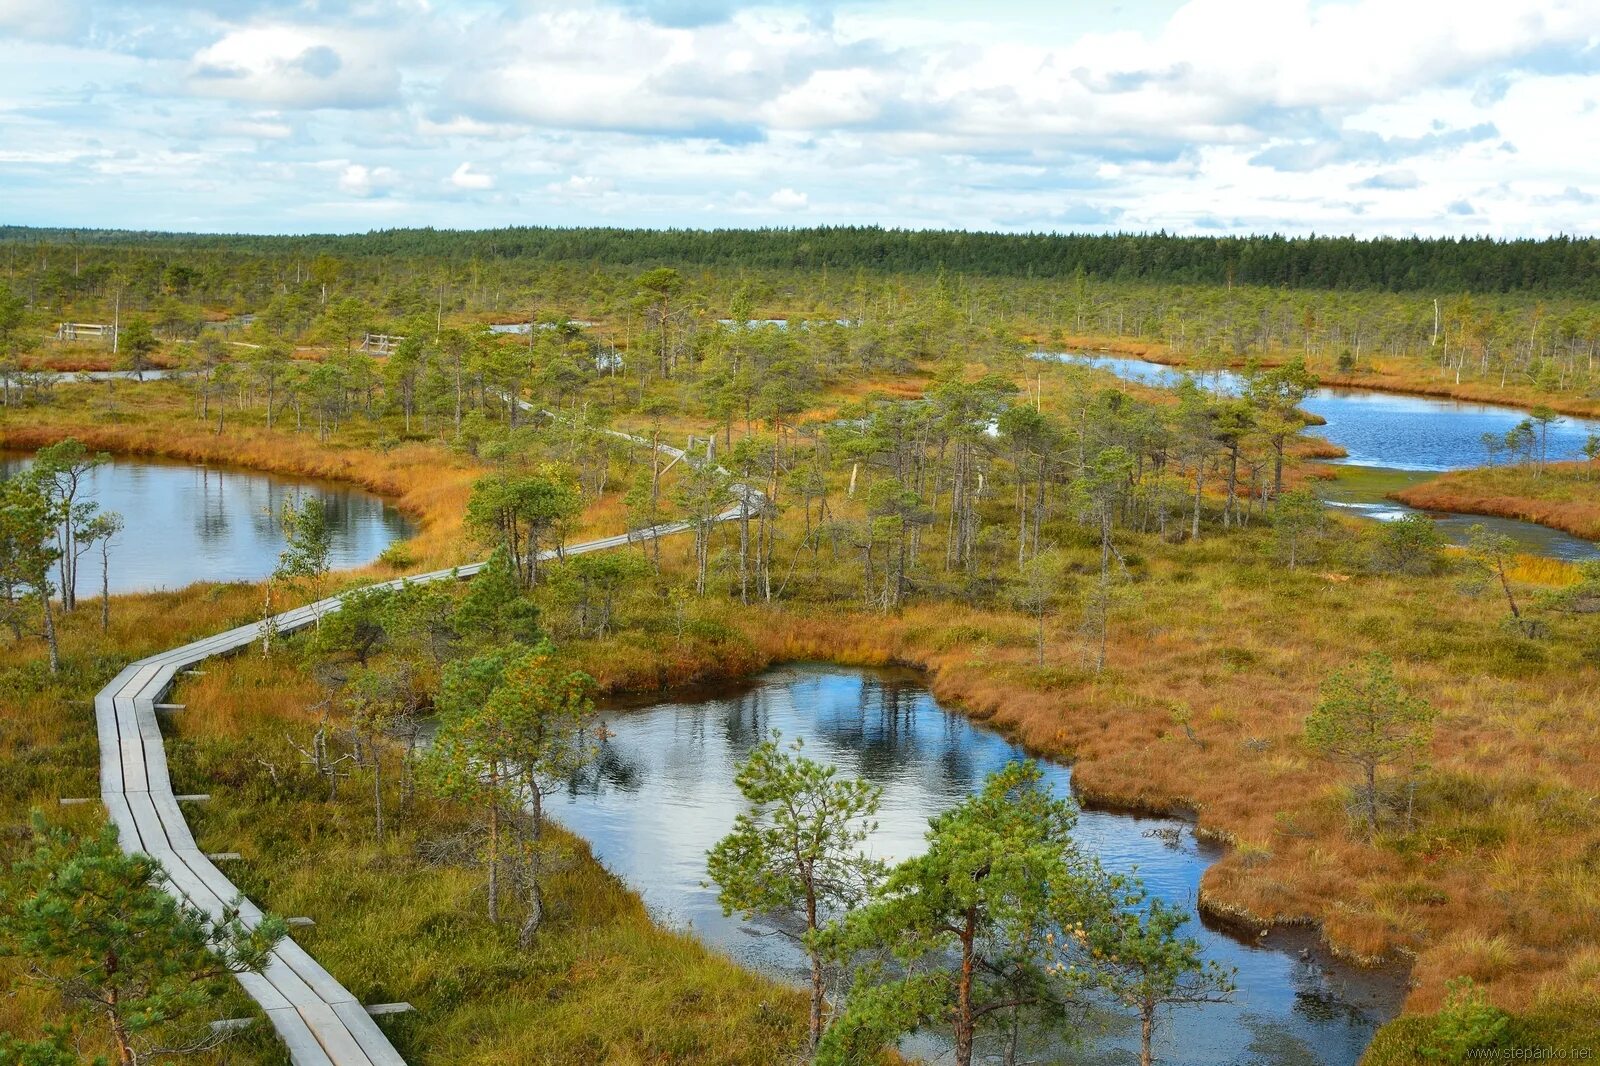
(185, 523)
(1393, 440)
(662, 793)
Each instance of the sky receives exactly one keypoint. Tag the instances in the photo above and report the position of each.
(1208, 116)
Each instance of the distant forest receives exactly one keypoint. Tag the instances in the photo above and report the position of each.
(1565, 265)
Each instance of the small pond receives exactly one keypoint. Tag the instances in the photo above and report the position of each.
(186, 523)
(1393, 441)
(1381, 429)
(662, 793)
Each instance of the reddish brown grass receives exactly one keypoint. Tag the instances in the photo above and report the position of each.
(1385, 375)
(1563, 496)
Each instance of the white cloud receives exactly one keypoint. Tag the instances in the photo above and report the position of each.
(41, 20)
(1337, 115)
(581, 186)
(789, 200)
(297, 67)
(464, 177)
(360, 180)
(262, 127)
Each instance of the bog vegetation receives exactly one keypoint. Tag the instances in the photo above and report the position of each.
(1395, 737)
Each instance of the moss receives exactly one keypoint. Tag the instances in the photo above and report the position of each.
(1559, 1037)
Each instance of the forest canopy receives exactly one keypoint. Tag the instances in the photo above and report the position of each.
(1562, 264)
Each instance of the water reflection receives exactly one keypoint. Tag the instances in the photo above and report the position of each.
(190, 523)
(1379, 428)
(1392, 441)
(662, 793)
(1365, 491)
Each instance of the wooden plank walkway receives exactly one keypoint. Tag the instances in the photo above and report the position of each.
(320, 1021)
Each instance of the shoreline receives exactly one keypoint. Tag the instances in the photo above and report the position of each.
(1378, 381)
(1212, 906)
(1459, 491)
(428, 492)
(1383, 982)
(1435, 495)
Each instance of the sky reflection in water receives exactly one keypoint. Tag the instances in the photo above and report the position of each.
(1380, 428)
(1410, 436)
(663, 793)
(190, 523)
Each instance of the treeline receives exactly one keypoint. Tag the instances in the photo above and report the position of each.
(1393, 264)
(1521, 340)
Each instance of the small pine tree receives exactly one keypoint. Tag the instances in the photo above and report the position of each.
(511, 724)
(95, 925)
(798, 849)
(1368, 721)
(1466, 1023)
(1139, 957)
(1299, 520)
(494, 609)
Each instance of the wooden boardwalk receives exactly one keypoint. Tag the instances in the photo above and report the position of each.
(320, 1021)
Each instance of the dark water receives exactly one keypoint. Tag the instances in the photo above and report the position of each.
(186, 523)
(1395, 441)
(663, 793)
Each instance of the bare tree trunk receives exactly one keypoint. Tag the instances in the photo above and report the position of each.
(50, 633)
(535, 915)
(744, 554)
(1371, 771)
(377, 785)
(494, 855)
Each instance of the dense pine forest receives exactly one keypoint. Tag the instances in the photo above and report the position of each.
(1416, 264)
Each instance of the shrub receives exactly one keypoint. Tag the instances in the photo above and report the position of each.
(1466, 1023)
(397, 556)
(1410, 545)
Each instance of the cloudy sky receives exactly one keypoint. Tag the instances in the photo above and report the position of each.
(1357, 116)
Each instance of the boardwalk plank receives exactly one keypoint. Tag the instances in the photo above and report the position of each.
(296, 1034)
(335, 1037)
(319, 1020)
(365, 1030)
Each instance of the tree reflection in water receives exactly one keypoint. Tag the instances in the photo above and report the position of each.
(662, 793)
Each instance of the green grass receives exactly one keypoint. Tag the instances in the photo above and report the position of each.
(1560, 1037)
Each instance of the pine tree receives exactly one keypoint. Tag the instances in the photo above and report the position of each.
(968, 924)
(798, 849)
(1368, 721)
(95, 925)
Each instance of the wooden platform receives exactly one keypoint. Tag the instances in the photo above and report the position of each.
(320, 1021)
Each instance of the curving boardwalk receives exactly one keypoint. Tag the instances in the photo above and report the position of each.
(320, 1021)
